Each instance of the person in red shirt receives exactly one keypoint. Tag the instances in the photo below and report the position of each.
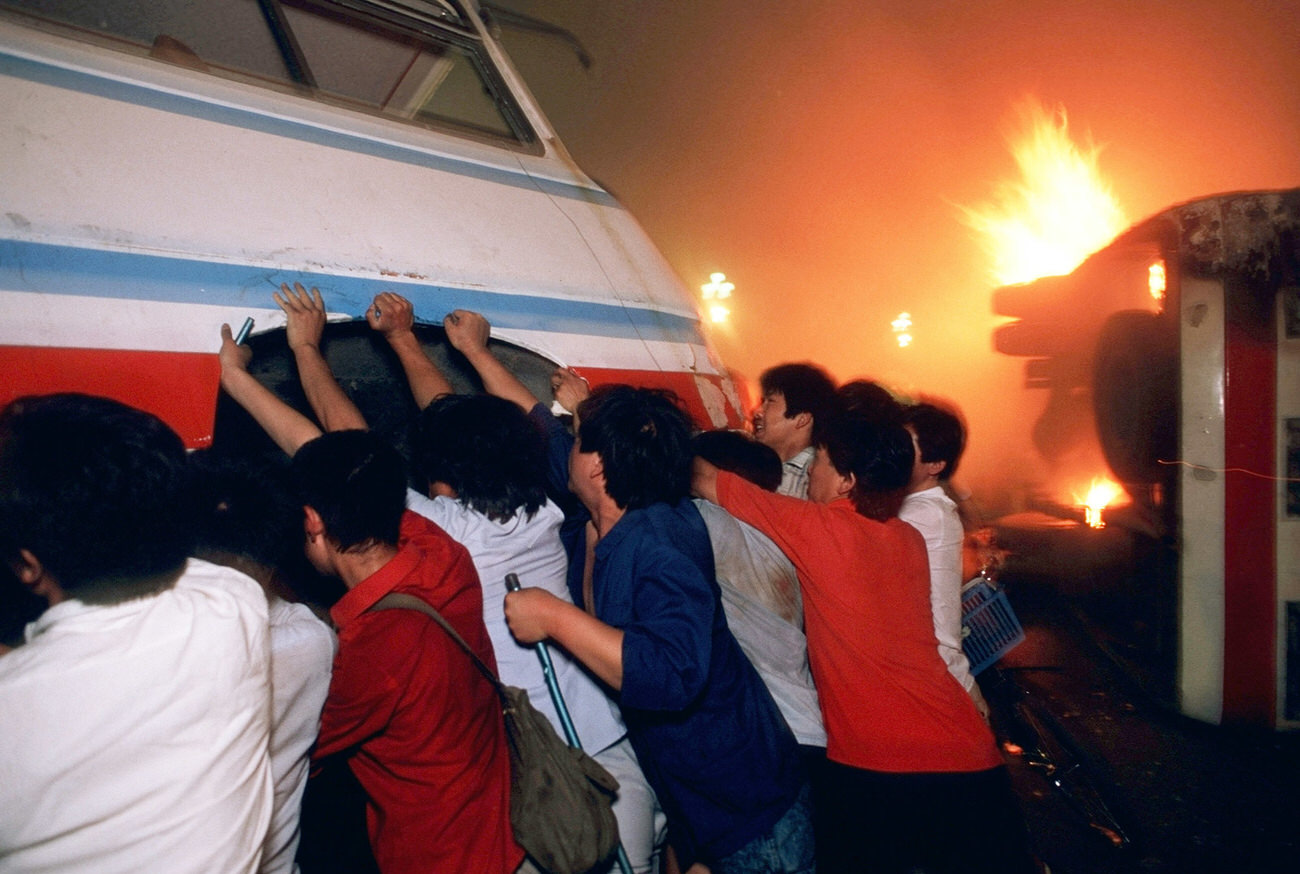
(914, 777)
(423, 726)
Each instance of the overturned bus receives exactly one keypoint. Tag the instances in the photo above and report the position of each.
(162, 172)
(1179, 346)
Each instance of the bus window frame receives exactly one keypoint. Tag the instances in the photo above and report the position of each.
(400, 20)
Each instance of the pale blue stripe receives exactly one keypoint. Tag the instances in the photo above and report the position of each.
(69, 270)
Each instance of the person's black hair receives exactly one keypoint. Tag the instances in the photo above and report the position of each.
(357, 483)
(879, 454)
(18, 606)
(643, 439)
(737, 452)
(940, 435)
(869, 398)
(805, 387)
(245, 507)
(485, 448)
(95, 490)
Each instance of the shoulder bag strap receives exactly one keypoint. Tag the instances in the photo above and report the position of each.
(399, 601)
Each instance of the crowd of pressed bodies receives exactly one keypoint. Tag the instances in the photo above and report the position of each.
(748, 635)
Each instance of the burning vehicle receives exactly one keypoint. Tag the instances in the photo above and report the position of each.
(1171, 363)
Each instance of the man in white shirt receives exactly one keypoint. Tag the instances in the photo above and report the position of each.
(133, 735)
(760, 590)
(939, 439)
(794, 395)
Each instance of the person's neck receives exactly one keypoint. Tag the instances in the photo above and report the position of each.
(791, 450)
(606, 516)
(927, 483)
(356, 565)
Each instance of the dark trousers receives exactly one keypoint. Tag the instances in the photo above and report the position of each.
(874, 821)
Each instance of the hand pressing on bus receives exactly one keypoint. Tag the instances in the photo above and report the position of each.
(305, 314)
(467, 331)
(391, 314)
(233, 356)
(569, 388)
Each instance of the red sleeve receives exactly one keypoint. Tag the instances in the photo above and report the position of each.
(791, 523)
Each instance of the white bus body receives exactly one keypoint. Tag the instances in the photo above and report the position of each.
(144, 202)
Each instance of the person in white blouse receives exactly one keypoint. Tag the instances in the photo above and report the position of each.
(939, 439)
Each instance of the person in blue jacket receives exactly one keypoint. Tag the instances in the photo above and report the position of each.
(712, 742)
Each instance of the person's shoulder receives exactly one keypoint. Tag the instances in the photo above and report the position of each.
(903, 532)
(921, 509)
(421, 533)
(549, 513)
(296, 626)
(670, 522)
(713, 514)
(664, 535)
(423, 505)
(204, 576)
(803, 458)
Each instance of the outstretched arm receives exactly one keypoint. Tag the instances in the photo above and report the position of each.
(306, 322)
(286, 426)
(468, 332)
(392, 315)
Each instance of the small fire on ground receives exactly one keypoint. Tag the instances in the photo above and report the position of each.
(1101, 494)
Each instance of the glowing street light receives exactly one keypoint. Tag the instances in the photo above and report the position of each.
(903, 329)
(716, 290)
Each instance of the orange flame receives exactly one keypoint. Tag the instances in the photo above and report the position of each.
(1101, 494)
(1059, 213)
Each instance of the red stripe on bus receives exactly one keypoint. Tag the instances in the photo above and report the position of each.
(1250, 516)
(679, 383)
(178, 387)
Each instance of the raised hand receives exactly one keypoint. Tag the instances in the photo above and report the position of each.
(305, 313)
(569, 388)
(467, 331)
(232, 356)
(390, 313)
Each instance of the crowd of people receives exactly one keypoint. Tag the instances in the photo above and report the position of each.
(757, 634)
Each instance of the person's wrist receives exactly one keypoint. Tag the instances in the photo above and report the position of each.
(476, 351)
(230, 374)
(396, 336)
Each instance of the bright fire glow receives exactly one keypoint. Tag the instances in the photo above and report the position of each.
(1101, 494)
(903, 329)
(1058, 213)
(716, 290)
(1156, 281)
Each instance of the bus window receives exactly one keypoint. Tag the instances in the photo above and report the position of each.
(421, 64)
(372, 377)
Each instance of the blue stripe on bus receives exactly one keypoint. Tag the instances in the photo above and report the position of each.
(197, 107)
(70, 270)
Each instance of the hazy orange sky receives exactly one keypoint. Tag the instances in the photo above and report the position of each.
(816, 153)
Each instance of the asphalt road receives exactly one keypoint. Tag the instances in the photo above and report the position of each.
(1189, 797)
